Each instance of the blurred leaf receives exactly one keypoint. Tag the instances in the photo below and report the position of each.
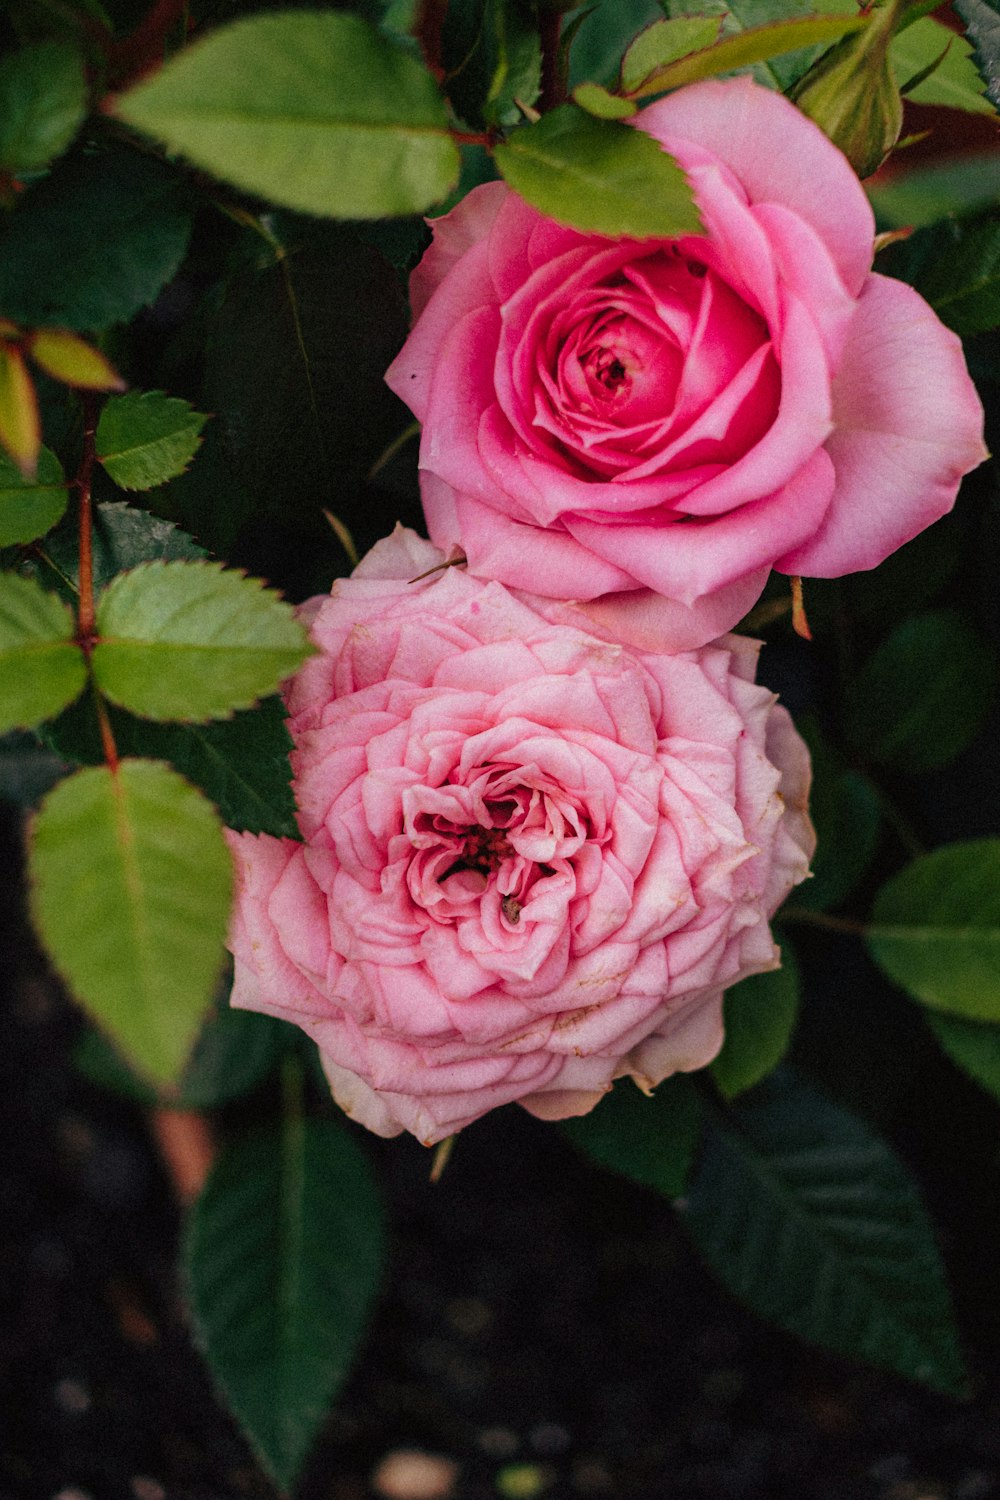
(297, 353)
(650, 1140)
(27, 769)
(808, 1217)
(68, 359)
(982, 24)
(189, 640)
(145, 438)
(663, 43)
(30, 507)
(604, 34)
(923, 694)
(598, 175)
(283, 1259)
(43, 101)
(241, 763)
(123, 537)
(910, 578)
(491, 57)
(955, 265)
(94, 242)
(235, 1051)
(313, 110)
(955, 82)
(744, 48)
(846, 810)
(935, 929)
(20, 426)
(599, 102)
(41, 666)
(760, 1014)
(131, 884)
(922, 195)
(973, 1045)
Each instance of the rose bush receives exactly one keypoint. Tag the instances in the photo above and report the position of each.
(532, 858)
(600, 416)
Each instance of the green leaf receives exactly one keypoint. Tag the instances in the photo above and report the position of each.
(234, 1053)
(491, 57)
(131, 883)
(982, 24)
(313, 110)
(41, 666)
(964, 184)
(145, 438)
(809, 1218)
(745, 48)
(94, 242)
(241, 763)
(599, 175)
(923, 694)
(283, 1258)
(955, 266)
(935, 929)
(760, 1014)
(650, 1140)
(189, 640)
(30, 507)
(601, 103)
(603, 34)
(846, 809)
(43, 101)
(954, 82)
(973, 1045)
(664, 42)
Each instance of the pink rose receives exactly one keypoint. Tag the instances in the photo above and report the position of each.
(533, 858)
(602, 415)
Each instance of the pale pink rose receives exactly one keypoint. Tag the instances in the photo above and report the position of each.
(683, 415)
(533, 858)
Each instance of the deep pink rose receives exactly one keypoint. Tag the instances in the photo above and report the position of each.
(533, 858)
(600, 415)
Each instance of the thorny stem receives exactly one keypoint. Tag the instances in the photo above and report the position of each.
(84, 482)
(552, 83)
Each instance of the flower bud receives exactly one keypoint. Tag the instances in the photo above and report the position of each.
(852, 95)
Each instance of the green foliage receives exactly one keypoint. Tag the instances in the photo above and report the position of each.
(41, 666)
(492, 58)
(313, 110)
(123, 538)
(760, 1015)
(600, 102)
(241, 764)
(664, 42)
(599, 175)
(131, 883)
(935, 929)
(973, 1045)
(955, 265)
(145, 438)
(283, 1259)
(234, 1053)
(954, 82)
(923, 693)
(846, 810)
(43, 100)
(30, 507)
(959, 185)
(189, 640)
(808, 1217)
(27, 769)
(650, 1140)
(94, 242)
(982, 25)
(743, 49)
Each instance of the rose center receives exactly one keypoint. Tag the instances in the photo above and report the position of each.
(485, 849)
(606, 367)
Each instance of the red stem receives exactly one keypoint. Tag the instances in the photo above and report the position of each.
(84, 482)
(428, 32)
(144, 48)
(553, 85)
